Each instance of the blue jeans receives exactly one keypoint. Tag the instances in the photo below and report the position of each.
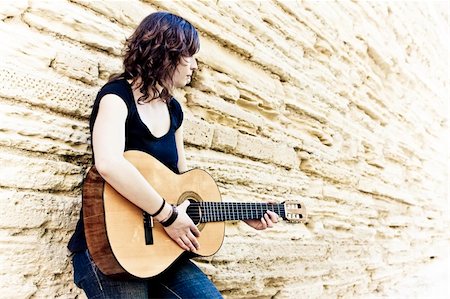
(182, 280)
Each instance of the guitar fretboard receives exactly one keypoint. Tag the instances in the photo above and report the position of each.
(223, 211)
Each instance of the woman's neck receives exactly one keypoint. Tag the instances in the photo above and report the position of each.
(137, 92)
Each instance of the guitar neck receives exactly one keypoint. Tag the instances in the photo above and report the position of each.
(223, 211)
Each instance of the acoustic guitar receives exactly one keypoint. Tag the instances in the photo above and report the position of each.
(124, 241)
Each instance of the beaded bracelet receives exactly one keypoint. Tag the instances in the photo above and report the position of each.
(160, 209)
(172, 217)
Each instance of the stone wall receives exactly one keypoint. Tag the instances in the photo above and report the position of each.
(343, 105)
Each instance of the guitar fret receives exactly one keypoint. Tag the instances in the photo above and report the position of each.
(205, 212)
(230, 206)
(204, 216)
(218, 215)
(208, 206)
(225, 210)
(216, 212)
(210, 212)
(213, 216)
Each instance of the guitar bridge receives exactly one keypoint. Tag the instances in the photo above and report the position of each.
(148, 228)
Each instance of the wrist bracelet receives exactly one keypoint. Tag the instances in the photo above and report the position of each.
(168, 215)
(160, 209)
(172, 217)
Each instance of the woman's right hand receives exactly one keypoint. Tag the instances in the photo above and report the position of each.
(183, 231)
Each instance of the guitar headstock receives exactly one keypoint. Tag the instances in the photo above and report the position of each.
(294, 211)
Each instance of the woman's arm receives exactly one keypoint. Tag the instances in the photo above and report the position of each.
(108, 140)
(179, 139)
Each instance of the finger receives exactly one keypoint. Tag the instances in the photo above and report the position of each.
(268, 221)
(188, 243)
(273, 216)
(181, 244)
(264, 223)
(194, 240)
(195, 230)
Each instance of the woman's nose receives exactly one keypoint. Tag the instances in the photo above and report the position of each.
(194, 64)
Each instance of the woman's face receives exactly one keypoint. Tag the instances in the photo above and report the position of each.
(183, 72)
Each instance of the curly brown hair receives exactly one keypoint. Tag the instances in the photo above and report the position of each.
(153, 52)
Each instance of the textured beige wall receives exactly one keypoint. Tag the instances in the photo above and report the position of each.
(343, 105)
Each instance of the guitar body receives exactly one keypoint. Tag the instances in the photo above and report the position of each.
(114, 226)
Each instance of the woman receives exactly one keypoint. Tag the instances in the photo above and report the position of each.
(135, 110)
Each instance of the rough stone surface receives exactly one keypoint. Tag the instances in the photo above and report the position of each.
(343, 105)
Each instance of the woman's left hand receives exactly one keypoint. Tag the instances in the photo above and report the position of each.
(267, 221)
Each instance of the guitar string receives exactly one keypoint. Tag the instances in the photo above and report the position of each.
(234, 211)
(222, 206)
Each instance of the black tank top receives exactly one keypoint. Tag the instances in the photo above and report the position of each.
(137, 137)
